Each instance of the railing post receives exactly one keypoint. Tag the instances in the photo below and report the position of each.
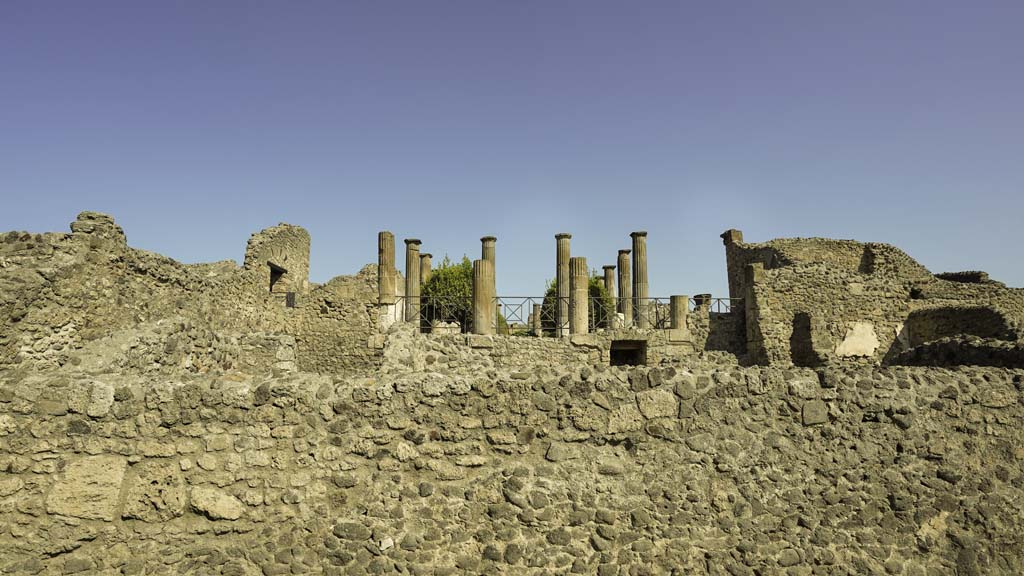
(578, 305)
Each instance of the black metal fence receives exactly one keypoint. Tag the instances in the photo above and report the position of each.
(516, 315)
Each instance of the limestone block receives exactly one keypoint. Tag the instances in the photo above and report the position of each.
(815, 412)
(657, 403)
(625, 418)
(101, 398)
(216, 504)
(860, 340)
(89, 489)
(156, 493)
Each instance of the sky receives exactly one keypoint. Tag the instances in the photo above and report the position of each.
(198, 123)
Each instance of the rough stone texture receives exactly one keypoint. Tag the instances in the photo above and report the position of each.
(89, 489)
(837, 283)
(158, 418)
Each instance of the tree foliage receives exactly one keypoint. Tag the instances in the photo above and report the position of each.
(601, 305)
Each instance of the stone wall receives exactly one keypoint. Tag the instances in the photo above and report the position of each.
(815, 300)
(280, 255)
(536, 469)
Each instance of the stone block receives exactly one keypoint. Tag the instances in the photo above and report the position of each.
(815, 412)
(657, 403)
(156, 493)
(90, 488)
(216, 504)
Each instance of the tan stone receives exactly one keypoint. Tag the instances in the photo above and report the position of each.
(860, 340)
(89, 489)
(216, 504)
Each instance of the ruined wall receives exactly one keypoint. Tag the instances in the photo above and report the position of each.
(61, 293)
(840, 299)
(534, 469)
(336, 324)
(280, 255)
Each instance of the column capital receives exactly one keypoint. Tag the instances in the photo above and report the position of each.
(489, 239)
(426, 255)
(412, 241)
(638, 234)
(625, 251)
(608, 267)
(563, 235)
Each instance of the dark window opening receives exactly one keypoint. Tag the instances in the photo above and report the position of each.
(629, 353)
(276, 276)
(289, 299)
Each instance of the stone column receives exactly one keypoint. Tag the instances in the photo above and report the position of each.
(538, 328)
(425, 267)
(387, 275)
(562, 285)
(625, 301)
(579, 278)
(487, 253)
(680, 306)
(640, 280)
(412, 280)
(483, 297)
(609, 279)
(497, 314)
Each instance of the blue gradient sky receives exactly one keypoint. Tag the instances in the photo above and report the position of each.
(197, 123)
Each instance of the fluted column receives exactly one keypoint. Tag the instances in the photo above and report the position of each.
(483, 297)
(562, 285)
(538, 328)
(426, 263)
(487, 253)
(412, 280)
(387, 275)
(680, 307)
(579, 278)
(643, 321)
(609, 279)
(625, 302)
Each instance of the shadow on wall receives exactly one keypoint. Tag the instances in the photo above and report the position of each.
(801, 342)
(931, 324)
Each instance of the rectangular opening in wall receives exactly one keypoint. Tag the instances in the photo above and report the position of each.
(277, 283)
(629, 352)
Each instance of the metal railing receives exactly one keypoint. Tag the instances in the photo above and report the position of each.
(717, 305)
(514, 315)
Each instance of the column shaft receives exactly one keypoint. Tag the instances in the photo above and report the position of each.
(680, 307)
(562, 285)
(579, 277)
(487, 253)
(625, 289)
(412, 280)
(643, 320)
(538, 329)
(426, 264)
(387, 275)
(483, 297)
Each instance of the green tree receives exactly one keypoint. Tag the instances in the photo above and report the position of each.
(448, 295)
(601, 306)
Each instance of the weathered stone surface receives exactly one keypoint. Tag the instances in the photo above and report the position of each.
(860, 340)
(155, 492)
(216, 504)
(814, 412)
(89, 489)
(657, 403)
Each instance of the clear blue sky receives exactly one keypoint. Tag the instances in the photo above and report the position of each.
(196, 123)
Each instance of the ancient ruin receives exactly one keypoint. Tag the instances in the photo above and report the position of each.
(842, 411)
